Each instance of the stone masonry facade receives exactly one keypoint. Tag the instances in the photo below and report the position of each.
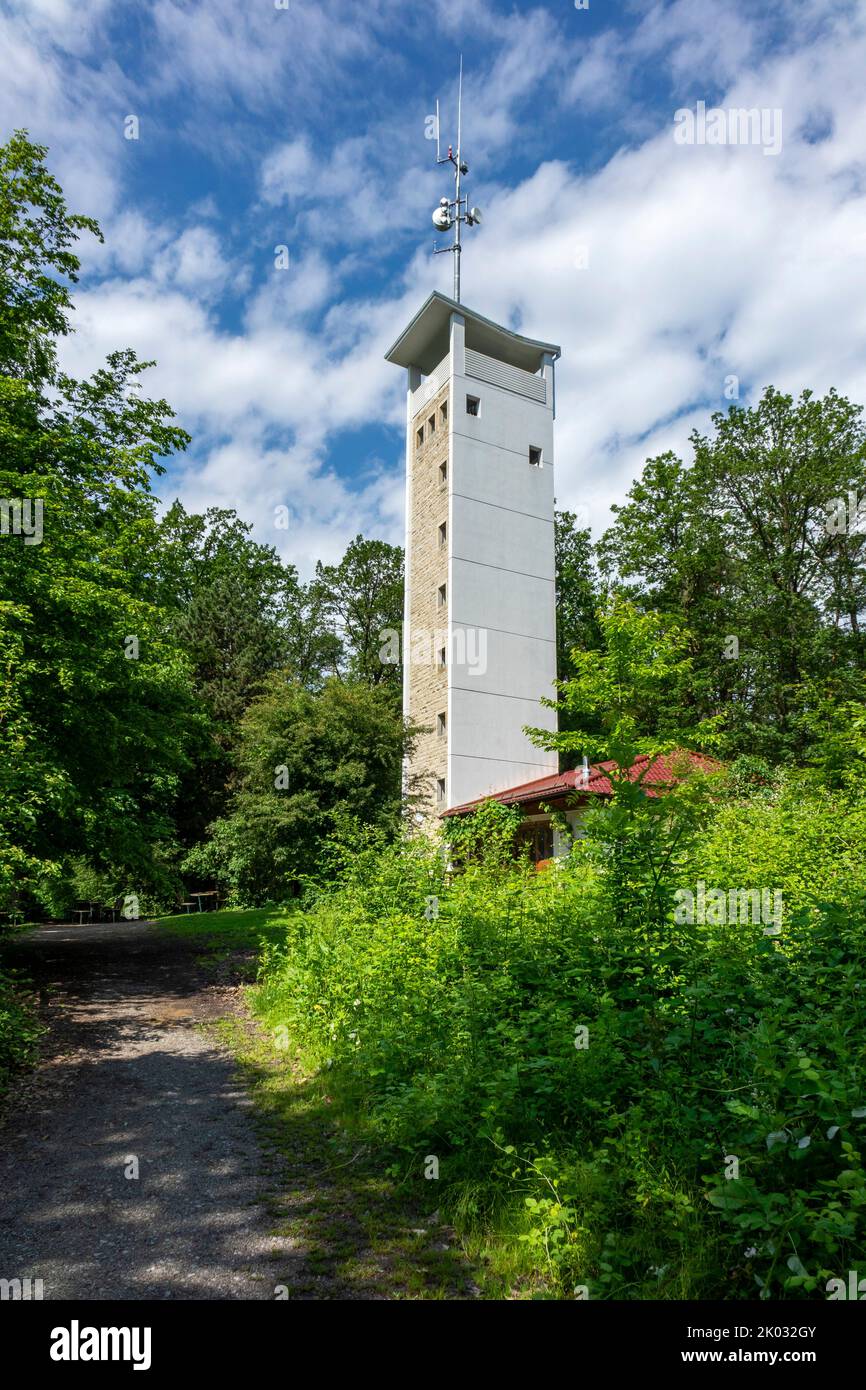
(428, 615)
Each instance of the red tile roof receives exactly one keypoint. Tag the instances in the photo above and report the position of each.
(652, 772)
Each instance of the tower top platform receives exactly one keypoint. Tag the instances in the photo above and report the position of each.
(425, 341)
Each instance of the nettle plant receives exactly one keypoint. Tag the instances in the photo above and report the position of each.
(797, 1208)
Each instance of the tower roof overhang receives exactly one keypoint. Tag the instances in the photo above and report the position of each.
(425, 341)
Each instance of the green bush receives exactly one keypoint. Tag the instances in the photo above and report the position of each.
(703, 1138)
(808, 845)
(19, 1030)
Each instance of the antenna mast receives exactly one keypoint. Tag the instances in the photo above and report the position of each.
(451, 212)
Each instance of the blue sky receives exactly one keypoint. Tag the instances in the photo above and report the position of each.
(662, 269)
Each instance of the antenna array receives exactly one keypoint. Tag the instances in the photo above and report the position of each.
(452, 212)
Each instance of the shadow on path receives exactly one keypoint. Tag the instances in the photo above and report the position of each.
(128, 1079)
(231, 1199)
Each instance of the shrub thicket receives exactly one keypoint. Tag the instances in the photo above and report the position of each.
(705, 1135)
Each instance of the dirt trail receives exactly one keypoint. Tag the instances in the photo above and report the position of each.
(128, 1075)
(245, 1186)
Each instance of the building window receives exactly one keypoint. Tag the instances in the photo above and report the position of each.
(443, 413)
(473, 405)
(443, 474)
(431, 424)
(536, 839)
(440, 596)
(419, 437)
(440, 789)
(441, 724)
(443, 533)
(535, 457)
(442, 662)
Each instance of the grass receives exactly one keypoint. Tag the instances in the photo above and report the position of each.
(229, 930)
(333, 1194)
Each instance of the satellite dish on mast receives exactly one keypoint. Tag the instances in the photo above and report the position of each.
(474, 218)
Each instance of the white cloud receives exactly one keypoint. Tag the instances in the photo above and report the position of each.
(698, 37)
(195, 262)
(286, 171)
(601, 74)
(703, 262)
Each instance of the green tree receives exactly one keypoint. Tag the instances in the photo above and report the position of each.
(578, 591)
(625, 706)
(363, 597)
(666, 546)
(739, 549)
(37, 262)
(578, 596)
(98, 707)
(305, 761)
(230, 603)
(771, 473)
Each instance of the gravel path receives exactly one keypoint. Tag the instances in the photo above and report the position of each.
(127, 1075)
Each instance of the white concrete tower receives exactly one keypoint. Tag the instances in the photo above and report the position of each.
(479, 552)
